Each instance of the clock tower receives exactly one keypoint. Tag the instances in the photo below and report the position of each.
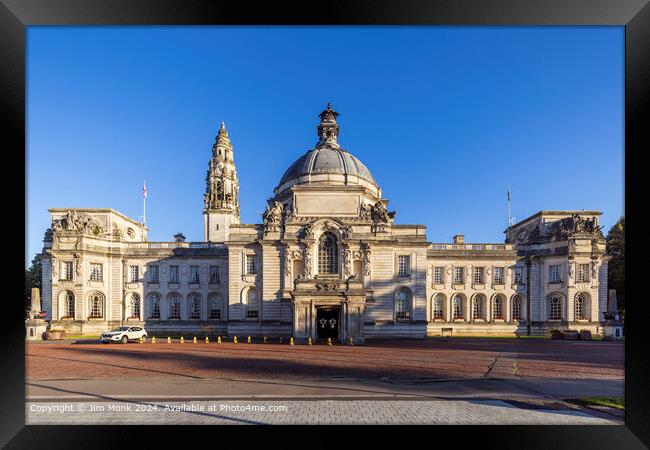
(221, 198)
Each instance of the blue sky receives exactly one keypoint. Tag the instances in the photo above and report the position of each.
(444, 117)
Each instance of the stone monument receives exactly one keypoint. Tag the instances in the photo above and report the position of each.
(35, 325)
(612, 327)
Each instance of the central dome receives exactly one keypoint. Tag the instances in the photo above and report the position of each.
(327, 164)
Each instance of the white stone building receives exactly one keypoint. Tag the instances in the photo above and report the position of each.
(327, 261)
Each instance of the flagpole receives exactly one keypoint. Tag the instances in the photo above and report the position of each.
(144, 204)
(509, 207)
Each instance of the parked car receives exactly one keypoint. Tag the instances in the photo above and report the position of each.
(123, 335)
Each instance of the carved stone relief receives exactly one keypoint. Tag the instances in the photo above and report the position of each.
(272, 217)
(347, 262)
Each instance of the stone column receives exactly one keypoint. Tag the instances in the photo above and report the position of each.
(449, 306)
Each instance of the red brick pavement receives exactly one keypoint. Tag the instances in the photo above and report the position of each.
(436, 358)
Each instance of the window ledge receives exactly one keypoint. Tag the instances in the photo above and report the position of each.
(458, 286)
(478, 286)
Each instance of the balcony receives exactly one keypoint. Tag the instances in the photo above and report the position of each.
(472, 247)
(172, 245)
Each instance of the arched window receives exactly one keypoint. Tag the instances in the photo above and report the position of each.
(134, 306)
(437, 307)
(214, 303)
(174, 306)
(497, 308)
(96, 306)
(328, 255)
(154, 303)
(555, 308)
(403, 305)
(252, 304)
(195, 306)
(458, 307)
(581, 306)
(516, 308)
(477, 310)
(69, 304)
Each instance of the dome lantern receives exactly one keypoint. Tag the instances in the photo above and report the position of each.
(328, 129)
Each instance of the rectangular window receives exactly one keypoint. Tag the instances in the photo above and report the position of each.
(251, 268)
(154, 274)
(214, 274)
(68, 270)
(458, 275)
(173, 274)
(96, 272)
(478, 275)
(498, 275)
(554, 274)
(403, 265)
(194, 274)
(437, 275)
(519, 275)
(583, 273)
(134, 274)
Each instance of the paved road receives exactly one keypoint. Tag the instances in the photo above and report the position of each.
(268, 388)
(474, 412)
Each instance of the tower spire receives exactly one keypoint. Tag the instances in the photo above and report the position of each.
(221, 198)
(328, 129)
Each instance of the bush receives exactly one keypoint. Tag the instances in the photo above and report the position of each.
(555, 334)
(585, 335)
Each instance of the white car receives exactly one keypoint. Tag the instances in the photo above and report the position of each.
(123, 335)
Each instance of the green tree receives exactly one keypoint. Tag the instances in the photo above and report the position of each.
(33, 279)
(616, 250)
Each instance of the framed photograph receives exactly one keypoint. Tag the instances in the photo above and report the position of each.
(392, 214)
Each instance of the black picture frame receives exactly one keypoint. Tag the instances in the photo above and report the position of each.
(634, 15)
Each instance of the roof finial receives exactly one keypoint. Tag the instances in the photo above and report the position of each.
(329, 115)
(223, 126)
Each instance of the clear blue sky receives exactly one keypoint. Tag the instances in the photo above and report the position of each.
(444, 117)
